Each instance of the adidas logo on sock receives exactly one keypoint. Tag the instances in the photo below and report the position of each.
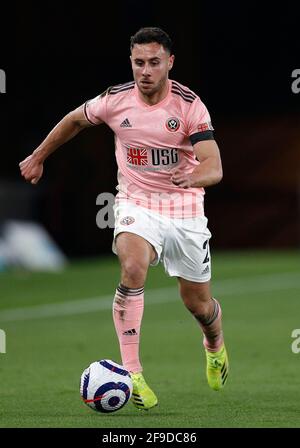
(126, 124)
(131, 332)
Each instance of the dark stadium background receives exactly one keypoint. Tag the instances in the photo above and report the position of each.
(238, 56)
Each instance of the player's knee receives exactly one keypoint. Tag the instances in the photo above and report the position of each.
(200, 310)
(197, 303)
(133, 273)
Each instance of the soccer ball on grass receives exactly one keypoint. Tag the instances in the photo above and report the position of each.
(105, 386)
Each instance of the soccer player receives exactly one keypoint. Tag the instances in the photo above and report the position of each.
(166, 156)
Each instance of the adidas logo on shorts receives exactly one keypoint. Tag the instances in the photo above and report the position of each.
(205, 271)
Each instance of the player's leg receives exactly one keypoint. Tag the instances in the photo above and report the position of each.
(207, 311)
(135, 255)
(187, 256)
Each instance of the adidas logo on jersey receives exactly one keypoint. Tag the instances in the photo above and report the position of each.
(131, 332)
(126, 124)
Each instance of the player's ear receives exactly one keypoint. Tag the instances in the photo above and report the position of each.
(171, 61)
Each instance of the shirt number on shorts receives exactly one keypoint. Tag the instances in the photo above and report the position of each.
(206, 247)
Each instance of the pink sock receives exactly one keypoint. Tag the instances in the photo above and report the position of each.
(212, 329)
(128, 307)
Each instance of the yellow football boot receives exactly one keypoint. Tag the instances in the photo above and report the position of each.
(217, 368)
(142, 396)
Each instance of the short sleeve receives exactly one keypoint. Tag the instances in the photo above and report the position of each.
(199, 122)
(95, 110)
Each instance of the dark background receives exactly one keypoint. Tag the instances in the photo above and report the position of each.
(237, 56)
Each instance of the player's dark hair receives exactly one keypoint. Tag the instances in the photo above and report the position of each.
(147, 35)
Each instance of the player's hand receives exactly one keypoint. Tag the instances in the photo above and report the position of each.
(31, 169)
(181, 179)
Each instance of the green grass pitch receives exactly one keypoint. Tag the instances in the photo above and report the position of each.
(58, 323)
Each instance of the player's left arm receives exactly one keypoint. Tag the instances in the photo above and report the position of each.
(208, 172)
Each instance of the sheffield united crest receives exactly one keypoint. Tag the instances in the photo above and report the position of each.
(172, 124)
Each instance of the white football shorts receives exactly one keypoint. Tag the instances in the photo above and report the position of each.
(181, 244)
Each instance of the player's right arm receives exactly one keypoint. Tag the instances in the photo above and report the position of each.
(32, 167)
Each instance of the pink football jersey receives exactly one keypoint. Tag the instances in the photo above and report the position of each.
(151, 142)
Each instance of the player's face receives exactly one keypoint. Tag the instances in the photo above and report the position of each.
(150, 65)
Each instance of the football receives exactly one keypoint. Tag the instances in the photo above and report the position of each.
(105, 386)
